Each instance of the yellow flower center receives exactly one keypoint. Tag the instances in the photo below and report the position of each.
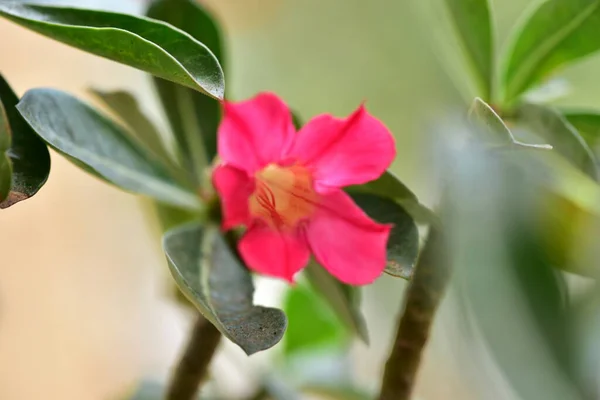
(283, 195)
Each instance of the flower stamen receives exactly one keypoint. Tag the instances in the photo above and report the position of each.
(284, 196)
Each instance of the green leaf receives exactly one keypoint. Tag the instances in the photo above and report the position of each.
(5, 164)
(124, 105)
(142, 43)
(495, 128)
(557, 33)
(587, 124)
(194, 118)
(170, 217)
(513, 304)
(474, 25)
(556, 130)
(312, 326)
(343, 299)
(80, 132)
(403, 244)
(211, 276)
(389, 186)
(24, 158)
(297, 120)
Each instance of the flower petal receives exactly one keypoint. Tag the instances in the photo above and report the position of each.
(345, 152)
(234, 187)
(275, 253)
(255, 132)
(346, 242)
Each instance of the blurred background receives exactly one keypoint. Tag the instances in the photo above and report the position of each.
(86, 313)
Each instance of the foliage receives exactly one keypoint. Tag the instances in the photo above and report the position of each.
(533, 168)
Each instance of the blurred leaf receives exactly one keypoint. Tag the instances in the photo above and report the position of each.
(587, 124)
(560, 177)
(24, 158)
(312, 325)
(557, 33)
(403, 244)
(558, 132)
(139, 42)
(124, 105)
(498, 132)
(473, 22)
(221, 287)
(343, 299)
(511, 297)
(561, 224)
(170, 217)
(77, 130)
(194, 118)
(548, 91)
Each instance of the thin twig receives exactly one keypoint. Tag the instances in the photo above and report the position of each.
(420, 304)
(193, 365)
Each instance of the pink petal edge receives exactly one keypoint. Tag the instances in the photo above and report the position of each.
(343, 152)
(346, 242)
(255, 132)
(274, 253)
(234, 187)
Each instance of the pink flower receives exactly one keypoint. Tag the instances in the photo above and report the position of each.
(285, 187)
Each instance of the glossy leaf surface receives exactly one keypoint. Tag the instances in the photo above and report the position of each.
(142, 43)
(212, 277)
(80, 132)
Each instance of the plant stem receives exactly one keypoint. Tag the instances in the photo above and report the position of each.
(193, 365)
(421, 301)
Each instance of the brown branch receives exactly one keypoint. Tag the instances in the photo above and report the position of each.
(193, 365)
(420, 304)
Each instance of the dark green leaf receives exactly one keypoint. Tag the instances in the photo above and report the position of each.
(559, 32)
(194, 118)
(5, 164)
(27, 167)
(587, 124)
(474, 25)
(77, 130)
(312, 325)
(343, 299)
(497, 133)
(403, 244)
(387, 185)
(558, 132)
(124, 105)
(142, 43)
(296, 120)
(220, 287)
